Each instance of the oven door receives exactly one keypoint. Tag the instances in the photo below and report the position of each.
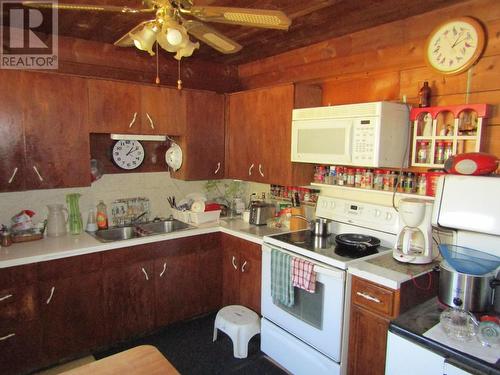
(315, 318)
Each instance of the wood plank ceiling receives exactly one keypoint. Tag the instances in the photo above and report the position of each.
(312, 21)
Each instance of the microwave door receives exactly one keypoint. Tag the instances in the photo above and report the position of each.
(325, 141)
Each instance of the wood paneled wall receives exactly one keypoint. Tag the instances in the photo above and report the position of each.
(387, 63)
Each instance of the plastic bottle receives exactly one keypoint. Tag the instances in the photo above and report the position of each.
(424, 95)
(102, 216)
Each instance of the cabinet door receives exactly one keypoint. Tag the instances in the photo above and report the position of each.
(129, 300)
(56, 132)
(72, 315)
(11, 131)
(250, 275)
(230, 271)
(367, 342)
(114, 107)
(210, 274)
(176, 288)
(163, 111)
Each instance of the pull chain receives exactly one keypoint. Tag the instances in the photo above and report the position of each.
(157, 80)
(179, 81)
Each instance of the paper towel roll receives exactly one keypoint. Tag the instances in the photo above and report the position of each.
(198, 206)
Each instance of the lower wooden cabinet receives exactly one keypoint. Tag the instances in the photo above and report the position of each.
(241, 272)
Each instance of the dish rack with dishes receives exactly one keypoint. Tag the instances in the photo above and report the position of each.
(196, 218)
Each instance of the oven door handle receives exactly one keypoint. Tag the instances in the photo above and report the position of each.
(329, 272)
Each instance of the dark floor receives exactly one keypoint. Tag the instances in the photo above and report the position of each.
(189, 347)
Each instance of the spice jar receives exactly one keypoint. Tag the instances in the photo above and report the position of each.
(423, 152)
(340, 176)
(448, 150)
(409, 183)
(378, 179)
(439, 157)
(357, 177)
(350, 177)
(6, 239)
(422, 184)
(368, 179)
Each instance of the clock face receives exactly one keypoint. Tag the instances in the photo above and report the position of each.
(128, 154)
(455, 45)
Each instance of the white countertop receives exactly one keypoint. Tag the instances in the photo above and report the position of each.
(51, 248)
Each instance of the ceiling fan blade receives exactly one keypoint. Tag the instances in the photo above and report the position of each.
(126, 40)
(211, 37)
(89, 7)
(269, 19)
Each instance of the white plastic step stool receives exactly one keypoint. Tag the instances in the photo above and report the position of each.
(240, 324)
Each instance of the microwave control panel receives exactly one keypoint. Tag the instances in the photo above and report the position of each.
(364, 141)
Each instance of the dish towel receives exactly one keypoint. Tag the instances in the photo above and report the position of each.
(303, 275)
(281, 278)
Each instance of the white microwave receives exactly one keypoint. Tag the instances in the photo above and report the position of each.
(367, 134)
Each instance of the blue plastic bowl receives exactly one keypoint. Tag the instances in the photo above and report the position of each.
(466, 260)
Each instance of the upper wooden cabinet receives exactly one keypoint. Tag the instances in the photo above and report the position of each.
(117, 107)
(258, 134)
(44, 123)
(203, 143)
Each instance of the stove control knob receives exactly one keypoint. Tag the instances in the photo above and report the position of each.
(457, 301)
(377, 213)
(332, 205)
(388, 216)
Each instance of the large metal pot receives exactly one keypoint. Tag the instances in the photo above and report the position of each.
(464, 291)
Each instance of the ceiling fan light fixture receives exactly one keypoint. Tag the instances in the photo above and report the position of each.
(186, 50)
(174, 36)
(145, 38)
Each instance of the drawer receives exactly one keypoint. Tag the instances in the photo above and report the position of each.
(19, 304)
(373, 297)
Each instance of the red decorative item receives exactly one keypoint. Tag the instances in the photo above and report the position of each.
(473, 163)
(212, 207)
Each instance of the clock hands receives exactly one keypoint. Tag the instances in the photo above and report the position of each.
(131, 150)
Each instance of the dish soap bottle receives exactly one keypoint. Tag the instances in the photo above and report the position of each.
(102, 216)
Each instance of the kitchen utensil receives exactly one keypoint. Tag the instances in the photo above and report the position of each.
(467, 260)
(91, 221)
(458, 324)
(320, 227)
(56, 220)
(260, 212)
(173, 156)
(96, 169)
(472, 163)
(488, 333)
(465, 291)
(357, 242)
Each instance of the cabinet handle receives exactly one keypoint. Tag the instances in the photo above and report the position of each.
(133, 120)
(233, 261)
(7, 337)
(260, 170)
(164, 269)
(145, 273)
(38, 173)
(243, 266)
(250, 170)
(5, 297)
(218, 168)
(368, 297)
(151, 124)
(51, 294)
(13, 175)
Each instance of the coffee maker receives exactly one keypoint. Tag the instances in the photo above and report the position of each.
(414, 241)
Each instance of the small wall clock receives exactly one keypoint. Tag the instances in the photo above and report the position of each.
(455, 45)
(128, 154)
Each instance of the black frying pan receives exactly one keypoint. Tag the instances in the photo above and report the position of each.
(357, 242)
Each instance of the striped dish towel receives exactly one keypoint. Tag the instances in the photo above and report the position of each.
(303, 275)
(281, 278)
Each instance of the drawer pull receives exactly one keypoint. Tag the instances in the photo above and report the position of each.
(218, 168)
(13, 175)
(133, 120)
(243, 266)
(260, 170)
(145, 273)
(51, 294)
(7, 337)
(164, 269)
(233, 261)
(5, 297)
(250, 170)
(38, 173)
(368, 297)
(151, 124)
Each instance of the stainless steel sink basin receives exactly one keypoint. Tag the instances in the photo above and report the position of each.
(166, 226)
(115, 234)
(140, 230)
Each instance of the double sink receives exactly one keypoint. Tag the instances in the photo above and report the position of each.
(140, 230)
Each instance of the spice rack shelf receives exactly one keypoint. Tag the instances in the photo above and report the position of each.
(440, 132)
(383, 192)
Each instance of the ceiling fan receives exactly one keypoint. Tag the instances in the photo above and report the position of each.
(175, 19)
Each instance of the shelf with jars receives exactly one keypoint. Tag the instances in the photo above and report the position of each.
(440, 132)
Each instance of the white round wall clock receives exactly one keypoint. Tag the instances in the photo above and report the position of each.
(128, 154)
(455, 45)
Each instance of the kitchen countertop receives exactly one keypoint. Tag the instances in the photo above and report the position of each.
(50, 248)
(418, 320)
(387, 271)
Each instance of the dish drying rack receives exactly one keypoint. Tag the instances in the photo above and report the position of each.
(128, 211)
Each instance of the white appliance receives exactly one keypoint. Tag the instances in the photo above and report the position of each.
(414, 242)
(367, 134)
(311, 336)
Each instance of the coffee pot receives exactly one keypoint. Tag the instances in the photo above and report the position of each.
(56, 220)
(414, 241)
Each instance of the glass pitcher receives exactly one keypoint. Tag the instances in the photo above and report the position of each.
(56, 220)
(75, 217)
